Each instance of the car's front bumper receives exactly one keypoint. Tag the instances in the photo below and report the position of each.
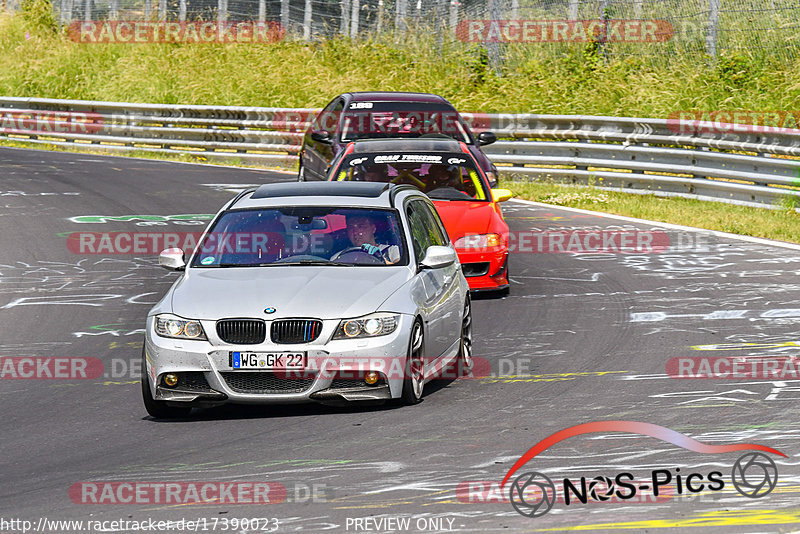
(485, 269)
(334, 374)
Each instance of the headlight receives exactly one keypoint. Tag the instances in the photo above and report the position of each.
(171, 326)
(377, 324)
(479, 241)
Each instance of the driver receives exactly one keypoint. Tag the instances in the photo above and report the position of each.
(373, 174)
(361, 232)
(443, 176)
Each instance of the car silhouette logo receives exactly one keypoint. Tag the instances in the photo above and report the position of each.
(270, 310)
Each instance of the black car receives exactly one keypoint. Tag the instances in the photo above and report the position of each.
(354, 116)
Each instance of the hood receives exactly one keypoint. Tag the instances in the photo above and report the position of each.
(322, 292)
(462, 218)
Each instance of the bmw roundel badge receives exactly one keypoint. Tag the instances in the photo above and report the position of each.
(269, 310)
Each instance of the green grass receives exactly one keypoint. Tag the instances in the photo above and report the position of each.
(781, 224)
(541, 78)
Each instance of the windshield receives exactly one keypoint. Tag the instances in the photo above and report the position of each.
(303, 236)
(440, 176)
(375, 120)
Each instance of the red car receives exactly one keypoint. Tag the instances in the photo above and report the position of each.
(446, 171)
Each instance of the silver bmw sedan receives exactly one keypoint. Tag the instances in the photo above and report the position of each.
(296, 292)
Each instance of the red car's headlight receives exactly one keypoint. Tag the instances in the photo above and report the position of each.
(479, 241)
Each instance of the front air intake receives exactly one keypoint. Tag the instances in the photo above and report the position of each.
(295, 331)
(242, 331)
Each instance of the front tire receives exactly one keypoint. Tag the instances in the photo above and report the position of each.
(156, 408)
(414, 379)
(465, 361)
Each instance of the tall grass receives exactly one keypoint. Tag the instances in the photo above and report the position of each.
(534, 78)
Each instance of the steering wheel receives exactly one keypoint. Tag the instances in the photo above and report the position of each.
(354, 250)
(301, 257)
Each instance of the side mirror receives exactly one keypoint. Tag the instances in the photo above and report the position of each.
(437, 257)
(486, 138)
(501, 195)
(172, 259)
(321, 136)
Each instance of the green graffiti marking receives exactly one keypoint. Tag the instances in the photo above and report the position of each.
(87, 219)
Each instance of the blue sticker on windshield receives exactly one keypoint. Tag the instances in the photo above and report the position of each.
(207, 261)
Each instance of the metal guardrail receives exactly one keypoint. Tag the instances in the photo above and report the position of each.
(733, 162)
(255, 135)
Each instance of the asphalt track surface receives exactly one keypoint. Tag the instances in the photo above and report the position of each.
(581, 338)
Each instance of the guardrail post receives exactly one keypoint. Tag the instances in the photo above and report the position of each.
(66, 12)
(113, 9)
(162, 9)
(713, 27)
(87, 9)
(401, 11)
(493, 49)
(308, 12)
(354, 19)
(438, 16)
(222, 10)
(146, 9)
(344, 20)
(605, 15)
(262, 10)
(637, 9)
(572, 11)
(453, 15)
(182, 11)
(380, 17)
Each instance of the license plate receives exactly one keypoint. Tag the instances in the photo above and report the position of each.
(268, 360)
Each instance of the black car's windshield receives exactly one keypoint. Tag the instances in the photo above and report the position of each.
(440, 176)
(303, 236)
(376, 120)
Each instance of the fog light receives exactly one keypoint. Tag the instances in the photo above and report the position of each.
(171, 380)
(371, 378)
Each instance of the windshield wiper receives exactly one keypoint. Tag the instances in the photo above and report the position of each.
(305, 262)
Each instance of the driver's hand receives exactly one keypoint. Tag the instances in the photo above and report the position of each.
(370, 249)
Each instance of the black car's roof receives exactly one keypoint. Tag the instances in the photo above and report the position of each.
(390, 96)
(417, 144)
(325, 189)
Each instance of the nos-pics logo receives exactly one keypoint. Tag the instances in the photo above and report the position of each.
(533, 494)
